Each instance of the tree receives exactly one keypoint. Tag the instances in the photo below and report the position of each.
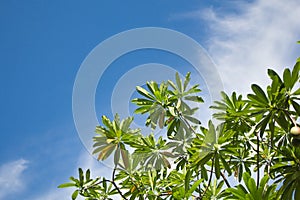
(256, 142)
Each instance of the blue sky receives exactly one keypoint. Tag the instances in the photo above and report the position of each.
(43, 44)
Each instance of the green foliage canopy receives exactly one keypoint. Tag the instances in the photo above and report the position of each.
(252, 144)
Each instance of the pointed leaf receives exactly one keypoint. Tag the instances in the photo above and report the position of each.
(194, 187)
(287, 78)
(194, 98)
(125, 158)
(64, 185)
(144, 92)
(161, 121)
(117, 156)
(226, 165)
(295, 73)
(217, 166)
(187, 180)
(75, 194)
(236, 193)
(88, 175)
(260, 93)
(187, 80)
(179, 83)
(105, 153)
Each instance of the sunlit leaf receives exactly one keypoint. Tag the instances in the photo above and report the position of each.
(64, 185)
(75, 194)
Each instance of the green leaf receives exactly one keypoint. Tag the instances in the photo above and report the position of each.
(240, 172)
(296, 107)
(142, 109)
(152, 86)
(204, 174)
(161, 121)
(226, 165)
(194, 98)
(217, 166)
(107, 122)
(165, 163)
(287, 78)
(105, 153)
(260, 93)
(187, 80)
(64, 185)
(178, 82)
(88, 175)
(273, 75)
(125, 158)
(81, 176)
(141, 101)
(295, 73)
(117, 156)
(171, 128)
(263, 184)
(297, 92)
(144, 92)
(179, 193)
(250, 183)
(193, 89)
(211, 136)
(227, 100)
(194, 187)
(187, 180)
(192, 119)
(237, 193)
(172, 84)
(98, 149)
(263, 123)
(75, 194)
(256, 102)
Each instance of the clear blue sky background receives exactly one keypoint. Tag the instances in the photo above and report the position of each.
(43, 43)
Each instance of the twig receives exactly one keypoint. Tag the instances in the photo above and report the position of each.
(225, 180)
(114, 183)
(257, 160)
(210, 177)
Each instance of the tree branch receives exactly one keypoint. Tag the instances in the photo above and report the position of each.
(257, 160)
(114, 183)
(225, 180)
(210, 177)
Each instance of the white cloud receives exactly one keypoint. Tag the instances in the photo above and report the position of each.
(261, 35)
(56, 194)
(11, 177)
(85, 161)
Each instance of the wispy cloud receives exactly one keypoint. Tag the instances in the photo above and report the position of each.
(52, 194)
(11, 177)
(261, 35)
(85, 161)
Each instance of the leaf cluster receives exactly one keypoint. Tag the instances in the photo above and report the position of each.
(252, 145)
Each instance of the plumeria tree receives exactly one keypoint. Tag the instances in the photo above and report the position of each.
(256, 142)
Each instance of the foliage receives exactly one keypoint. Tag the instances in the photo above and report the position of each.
(251, 191)
(252, 144)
